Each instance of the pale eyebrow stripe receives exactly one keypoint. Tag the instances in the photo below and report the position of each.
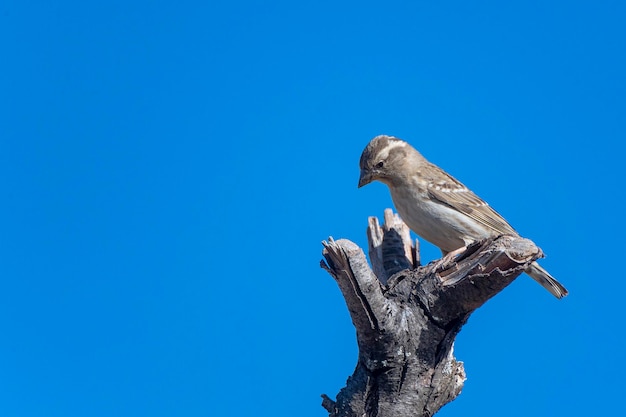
(384, 153)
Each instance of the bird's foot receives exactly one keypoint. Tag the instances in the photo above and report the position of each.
(451, 257)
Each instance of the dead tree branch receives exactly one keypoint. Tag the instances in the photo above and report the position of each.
(407, 317)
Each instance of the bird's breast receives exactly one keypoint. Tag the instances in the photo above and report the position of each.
(441, 225)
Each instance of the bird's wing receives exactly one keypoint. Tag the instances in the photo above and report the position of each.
(449, 191)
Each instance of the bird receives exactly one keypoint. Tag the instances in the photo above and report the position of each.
(434, 204)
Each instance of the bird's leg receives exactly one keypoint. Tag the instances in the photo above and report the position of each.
(450, 256)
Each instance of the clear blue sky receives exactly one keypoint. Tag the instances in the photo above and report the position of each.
(168, 171)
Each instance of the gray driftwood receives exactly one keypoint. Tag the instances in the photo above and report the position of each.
(407, 316)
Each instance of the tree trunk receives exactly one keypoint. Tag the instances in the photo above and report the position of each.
(407, 316)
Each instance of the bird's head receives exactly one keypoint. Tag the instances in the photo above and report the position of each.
(385, 159)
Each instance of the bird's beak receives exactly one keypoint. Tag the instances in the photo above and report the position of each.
(365, 178)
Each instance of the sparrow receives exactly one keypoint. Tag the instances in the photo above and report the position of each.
(435, 205)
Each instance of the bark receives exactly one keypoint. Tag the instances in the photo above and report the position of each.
(407, 316)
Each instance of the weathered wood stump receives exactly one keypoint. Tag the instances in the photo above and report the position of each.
(407, 316)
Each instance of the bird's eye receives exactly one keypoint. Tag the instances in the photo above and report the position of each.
(380, 164)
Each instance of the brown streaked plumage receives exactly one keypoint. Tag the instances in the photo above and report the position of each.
(434, 204)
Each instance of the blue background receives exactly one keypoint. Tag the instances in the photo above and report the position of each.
(168, 171)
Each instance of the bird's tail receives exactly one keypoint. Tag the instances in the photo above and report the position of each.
(546, 280)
